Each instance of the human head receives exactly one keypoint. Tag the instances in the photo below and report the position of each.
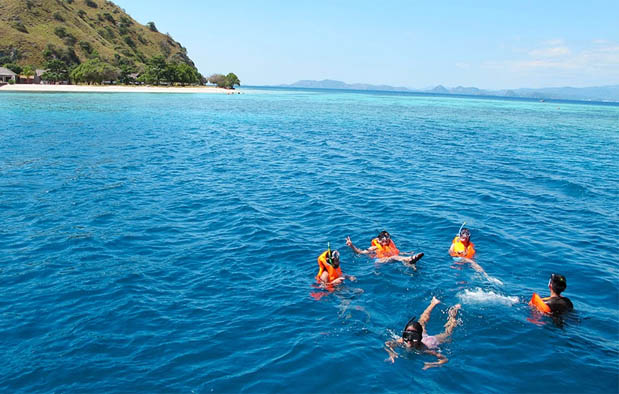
(333, 258)
(412, 334)
(384, 237)
(465, 234)
(557, 283)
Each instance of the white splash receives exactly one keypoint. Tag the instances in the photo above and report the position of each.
(479, 296)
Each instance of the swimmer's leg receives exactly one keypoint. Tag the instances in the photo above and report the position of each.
(425, 316)
(452, 322)
(408, 259)
(415, 258)
(477, 267)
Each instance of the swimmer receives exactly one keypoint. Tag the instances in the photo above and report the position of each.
(329, 270)
(414, 336)
(385, 250)
(464, 250)
(557, 303)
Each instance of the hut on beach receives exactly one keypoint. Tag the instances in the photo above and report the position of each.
(6, 75)
(37, 75)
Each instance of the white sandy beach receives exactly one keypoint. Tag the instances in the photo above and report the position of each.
(114, 89)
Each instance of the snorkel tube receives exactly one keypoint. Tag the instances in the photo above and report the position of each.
(410, 321)
(329, 254)
(461, 227)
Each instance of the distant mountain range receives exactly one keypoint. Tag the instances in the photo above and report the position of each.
(599, 93)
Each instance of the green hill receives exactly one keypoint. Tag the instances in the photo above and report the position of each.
(34, 31)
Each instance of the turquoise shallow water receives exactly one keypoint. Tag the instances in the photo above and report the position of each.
(158, 243)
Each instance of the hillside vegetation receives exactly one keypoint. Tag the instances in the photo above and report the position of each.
(96, 34)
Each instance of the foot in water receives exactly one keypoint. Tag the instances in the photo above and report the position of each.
(415, 258)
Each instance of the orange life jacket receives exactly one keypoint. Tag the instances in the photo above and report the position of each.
(385, 251)
(459, 248)
(323, 266)
(539, 303)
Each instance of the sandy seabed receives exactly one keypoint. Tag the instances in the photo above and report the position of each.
(114, 89)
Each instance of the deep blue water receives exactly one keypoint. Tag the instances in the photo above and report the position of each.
(168, 243)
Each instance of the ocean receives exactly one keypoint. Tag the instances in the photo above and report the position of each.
(168, 242)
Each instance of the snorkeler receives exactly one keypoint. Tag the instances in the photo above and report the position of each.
(414, 336)
(464, 250)
(555, 304)
(329, 270)
(461, 245)
(385, 250)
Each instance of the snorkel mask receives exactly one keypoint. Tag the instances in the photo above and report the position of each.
(384, 237)
(412, 336)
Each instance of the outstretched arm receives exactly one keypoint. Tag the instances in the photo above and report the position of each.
(440, 360)
(356, 249)
(389, 348)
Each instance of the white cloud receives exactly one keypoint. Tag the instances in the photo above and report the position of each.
(550, 52)
(602, 58)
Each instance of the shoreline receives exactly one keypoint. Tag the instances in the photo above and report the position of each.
(114, 89)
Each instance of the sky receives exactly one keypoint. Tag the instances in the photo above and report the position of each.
(415, 44)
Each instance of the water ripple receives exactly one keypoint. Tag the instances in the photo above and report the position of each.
(163, 243)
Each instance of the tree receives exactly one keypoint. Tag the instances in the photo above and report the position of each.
(94, 71)
(9, 55)
(60, 32)
(16, 68)
(125, 74)
(129, 41)
(231, 80)
(28, 71)
(108, 17)
(86, 47)
(156, 70)
(152, 27)
(224, 81)
(68, 55)
(218, 79)
(183, 73)
(56, 71)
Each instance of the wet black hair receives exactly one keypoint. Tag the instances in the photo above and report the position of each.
(384, 234)
(465, 231)
(558, 283)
